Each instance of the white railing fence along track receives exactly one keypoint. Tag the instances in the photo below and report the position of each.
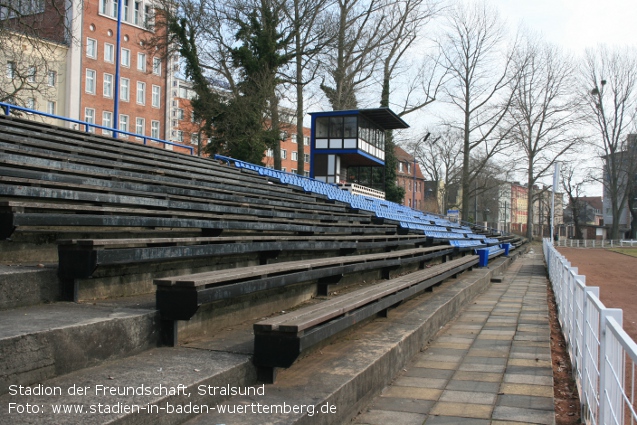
(603, 356)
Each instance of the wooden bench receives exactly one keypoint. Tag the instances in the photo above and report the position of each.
(179, 297)
(80, 258)
(279, 341)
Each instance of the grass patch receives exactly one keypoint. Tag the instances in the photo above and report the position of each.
(626, 251)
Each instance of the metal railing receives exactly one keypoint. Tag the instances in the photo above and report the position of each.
(592, 243)
(603, 355)
(7, 107)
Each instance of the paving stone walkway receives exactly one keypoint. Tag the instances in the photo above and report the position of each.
(491, 365)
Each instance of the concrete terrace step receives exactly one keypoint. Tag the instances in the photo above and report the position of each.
(329, 386)
(175, 375)
(41, 342)
(22, 286)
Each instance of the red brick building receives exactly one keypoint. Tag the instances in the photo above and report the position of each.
(143, 94)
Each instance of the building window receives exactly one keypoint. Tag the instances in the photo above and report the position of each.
(140, 125)
(179, 136)
(400, 167)
(31, 74)
(90, 81)
(126, 10)
(194, 138)
(269, 153)
(50, 107)
(125, 57)
(10, 69)
(124, 89)
(141, 61)
(295, 156)
(306, 141)
(156, 96)
(283, 169)
(123, 122)
(91, 48)
(107, 121)
(89, 117)
(157, 66)
(154, 129)
(293, 171)
(31, 103)
(284, 154)
(51, 78)
(137, 17)
(141, 93)
(108, 85)
(148, 16)
(109, 53)
(306, 158)
(306, 173)
(293, 139)
(180, 114)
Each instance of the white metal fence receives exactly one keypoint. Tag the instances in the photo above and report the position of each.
(592, 243)
(603, 356)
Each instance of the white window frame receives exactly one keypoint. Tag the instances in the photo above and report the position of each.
(90, 88)
(11, 68)
(51, 106)
(284, 154)
(141, 61)
(91, 48)
(107, 85)
(51, 78)
(124, 124)
(295, 156)
(155, 129)
(140, 126)
(124, 89)
(125, 59)
(156, 65)
(107, 122)
(156, 96)
(109, 53)
(141, 89)
(90, 118)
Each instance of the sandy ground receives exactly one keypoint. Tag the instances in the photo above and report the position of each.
(616, 276)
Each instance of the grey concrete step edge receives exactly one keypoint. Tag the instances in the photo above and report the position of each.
(178, 375)
(39, 343)
(350, 394)
(22, 286)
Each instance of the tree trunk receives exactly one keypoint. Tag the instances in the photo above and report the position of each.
(274, 116)
(300, 168)
(529, 206)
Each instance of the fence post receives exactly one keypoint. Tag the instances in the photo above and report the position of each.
(608, 403)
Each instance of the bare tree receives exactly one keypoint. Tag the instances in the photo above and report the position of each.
(543, 112)
(353, 56)
(439, 159)
(34, 38)
(609, 85)
(311, 35)
(574, 190)
(479, 86)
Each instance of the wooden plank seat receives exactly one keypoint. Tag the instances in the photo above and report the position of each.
(38, 158)
(107, 191)
(67, 141)
(80, 258)
(23, 215)
(280, 340)
(179, 297)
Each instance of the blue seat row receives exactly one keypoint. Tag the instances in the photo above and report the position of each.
(406, 216)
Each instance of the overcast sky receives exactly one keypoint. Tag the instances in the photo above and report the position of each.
(575, 24)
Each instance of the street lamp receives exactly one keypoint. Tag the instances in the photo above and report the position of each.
(413, 192)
